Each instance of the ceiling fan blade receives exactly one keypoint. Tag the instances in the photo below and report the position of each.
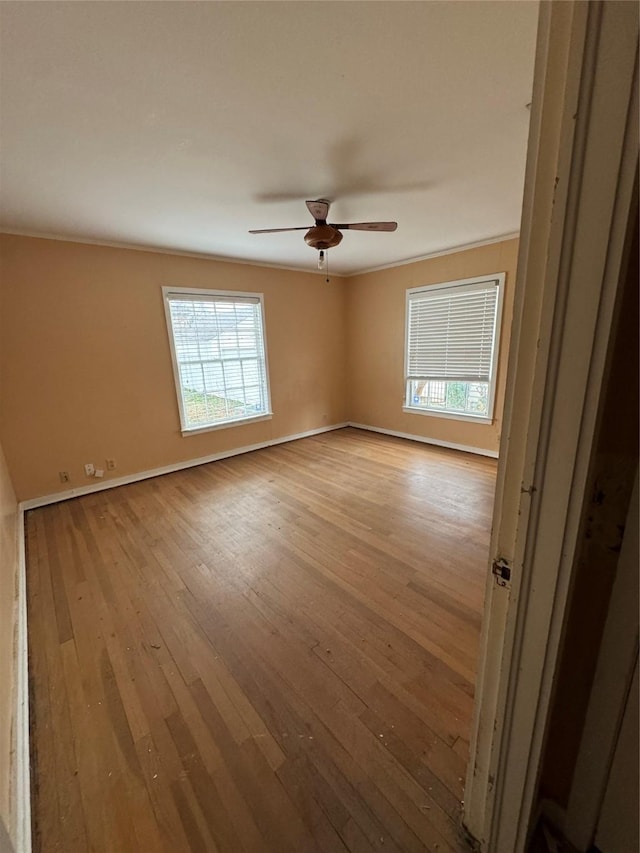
(275, 230)
(367, 226)
(318, 209)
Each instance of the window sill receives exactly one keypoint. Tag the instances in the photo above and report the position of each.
(227, 424)
(452, 415)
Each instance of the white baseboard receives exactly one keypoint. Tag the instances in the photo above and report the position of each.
(480, 451)
(22, 792)
(32, 503)
(112, 483)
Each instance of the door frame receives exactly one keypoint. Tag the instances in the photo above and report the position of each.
(579, 196)
(617, 661)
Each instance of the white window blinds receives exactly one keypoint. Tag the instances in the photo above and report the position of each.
(451, 331)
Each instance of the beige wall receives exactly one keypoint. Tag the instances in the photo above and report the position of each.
(86, 369)
(8, 589)
(375, 343)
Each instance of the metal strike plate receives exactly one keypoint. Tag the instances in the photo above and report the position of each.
(502, 571)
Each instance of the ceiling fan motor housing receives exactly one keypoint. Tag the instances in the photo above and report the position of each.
(322, 237)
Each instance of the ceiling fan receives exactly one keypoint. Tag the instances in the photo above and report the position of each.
(325, 235)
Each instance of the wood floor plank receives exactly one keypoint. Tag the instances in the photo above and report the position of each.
(41, 608)
(171, 792)
(272, 809)
(297, 726)
(274, 652)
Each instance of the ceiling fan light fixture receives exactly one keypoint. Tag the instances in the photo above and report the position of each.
(322, 237)
(322, 260)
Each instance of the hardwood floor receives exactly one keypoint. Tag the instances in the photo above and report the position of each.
(274, 652)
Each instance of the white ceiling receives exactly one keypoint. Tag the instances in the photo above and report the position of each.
(182, 125)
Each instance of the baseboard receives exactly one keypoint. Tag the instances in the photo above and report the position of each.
(22, 791)
(56, 497)
(480, 451)
(112, 483)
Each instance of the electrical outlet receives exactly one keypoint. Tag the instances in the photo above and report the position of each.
(64, 476)
(111, 464)
(89, 469)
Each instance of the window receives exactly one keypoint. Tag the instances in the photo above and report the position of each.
(452, 347)
(219, 361)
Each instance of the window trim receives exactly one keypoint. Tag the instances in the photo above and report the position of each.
(200, 291)
(500, 279)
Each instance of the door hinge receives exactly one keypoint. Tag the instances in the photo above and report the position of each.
(502, 570)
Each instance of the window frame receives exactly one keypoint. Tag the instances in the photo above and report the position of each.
(499, 278)
(167, 292)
